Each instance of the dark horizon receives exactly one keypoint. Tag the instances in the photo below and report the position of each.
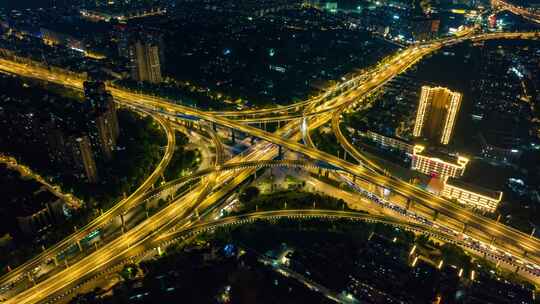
(25, 4)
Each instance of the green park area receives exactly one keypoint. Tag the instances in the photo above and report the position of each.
(184, 160)
(253, 200)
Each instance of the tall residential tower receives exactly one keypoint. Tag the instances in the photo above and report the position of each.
(145, 61)
(437, 113)
(102, 119)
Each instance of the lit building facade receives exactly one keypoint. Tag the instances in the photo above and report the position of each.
(472, 196)
(391, 142)
(145, 62)
(441, 166)
(56, 38)
(437, 113)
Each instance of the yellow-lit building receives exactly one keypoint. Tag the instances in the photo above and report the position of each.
(437, 113)
(391, 142)
(472, 196)
(437, 165)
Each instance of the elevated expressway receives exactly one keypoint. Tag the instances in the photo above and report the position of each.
(105, 218)
(182, 210)
(150, 248)
(286, 137)
(306, 109)
(508, 238)
(518, 10)
(349, 148)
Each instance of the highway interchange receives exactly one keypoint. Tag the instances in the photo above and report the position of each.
(188, 209)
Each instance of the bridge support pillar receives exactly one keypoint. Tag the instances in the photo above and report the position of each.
(123, 222)
(214, 126)
(280, 153)
(464, 228)
(79, 245)
(379, 190)
(410, 204)
(55, 259)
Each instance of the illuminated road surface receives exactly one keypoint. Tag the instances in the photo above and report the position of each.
(20, 272)
(506, 237)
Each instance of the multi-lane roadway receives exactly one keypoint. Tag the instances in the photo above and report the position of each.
(103, 219)
(526, 13)
(189, 205)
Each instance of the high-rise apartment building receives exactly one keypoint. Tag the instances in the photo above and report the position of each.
(121, 34)
(437, 113)
(62, 135)
(72, 151)
(102, 118)
(145, 61)
(83, 158)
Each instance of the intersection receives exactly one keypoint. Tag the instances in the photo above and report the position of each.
(189, 208)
